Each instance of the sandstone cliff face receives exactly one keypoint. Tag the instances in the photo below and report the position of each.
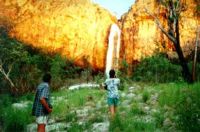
(141, 37)
(77, 29)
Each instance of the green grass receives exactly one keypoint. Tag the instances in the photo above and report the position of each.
(135, 110)
(145, 96)
(73, 100)
(71, 117)
(169, 93)
(127, 124)
(15, 119)
(180, 100)
(184, 102)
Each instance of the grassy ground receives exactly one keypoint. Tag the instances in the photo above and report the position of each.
(143, 107)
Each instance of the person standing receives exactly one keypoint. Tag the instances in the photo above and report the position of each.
(111, 85)
(42, 106)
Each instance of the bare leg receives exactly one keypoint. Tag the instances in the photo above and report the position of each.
(115, 109)
(112, 110)
(41, 127)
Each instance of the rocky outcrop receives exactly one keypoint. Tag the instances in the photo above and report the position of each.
(141, 37)
(77, 29)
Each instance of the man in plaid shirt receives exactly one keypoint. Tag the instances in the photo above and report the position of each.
(41, 105)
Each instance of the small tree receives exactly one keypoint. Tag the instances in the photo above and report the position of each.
(173, 11)
(11, 51)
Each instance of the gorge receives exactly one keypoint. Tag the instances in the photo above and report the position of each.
(80, 30)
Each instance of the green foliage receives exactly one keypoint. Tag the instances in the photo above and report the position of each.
(145, 96)
(71, 117)
(11, 50)
(119, 124)
(169, 95)
(125, 67)
(13, 119)
(159, 119)
(96, 118)
(186, 103)
(16, 120)
(157, 69)
(75, 127)
(99, 78)
(57, 71)
(116, 124)
(60, 109)
(187, 109)
(135, 110)
(28, 64)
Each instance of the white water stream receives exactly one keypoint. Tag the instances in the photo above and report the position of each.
(113, 49)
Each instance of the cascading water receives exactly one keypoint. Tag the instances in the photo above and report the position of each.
(113, 49)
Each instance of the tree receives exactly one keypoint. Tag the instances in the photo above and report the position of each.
(195, 55)
(11, 51)
(173, 12)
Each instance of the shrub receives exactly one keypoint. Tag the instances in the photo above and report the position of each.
(16, 119)
(57, 71)
(157, 69)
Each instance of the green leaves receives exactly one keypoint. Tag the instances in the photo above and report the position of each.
(157, 69)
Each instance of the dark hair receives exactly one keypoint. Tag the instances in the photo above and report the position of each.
(112, 73)
(47, 78)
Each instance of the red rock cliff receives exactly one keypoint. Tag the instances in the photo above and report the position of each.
(141, 37)
(77, 29)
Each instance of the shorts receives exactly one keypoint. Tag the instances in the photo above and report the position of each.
(42, 119)
(113, 101)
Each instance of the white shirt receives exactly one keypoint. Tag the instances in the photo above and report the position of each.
(112, 87)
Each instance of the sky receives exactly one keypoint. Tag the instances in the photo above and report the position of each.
(117, 7)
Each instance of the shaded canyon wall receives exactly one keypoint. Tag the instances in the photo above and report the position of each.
(77, 29)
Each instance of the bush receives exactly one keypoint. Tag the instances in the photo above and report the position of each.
(157, 69)
(16, 119)
(57, 71)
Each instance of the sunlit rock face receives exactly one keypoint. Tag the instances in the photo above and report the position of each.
(77, 29)
(141, 37)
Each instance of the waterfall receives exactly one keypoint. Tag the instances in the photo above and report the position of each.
(112, 57)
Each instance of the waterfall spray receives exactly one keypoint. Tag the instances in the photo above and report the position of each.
(113, 49)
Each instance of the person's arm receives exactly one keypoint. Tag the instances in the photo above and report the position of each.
(45, 104)
(103, 86)
(45, 95)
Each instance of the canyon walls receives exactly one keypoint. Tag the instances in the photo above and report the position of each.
(79, 29)
(141, 37)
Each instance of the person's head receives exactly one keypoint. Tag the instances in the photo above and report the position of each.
(112, 73)
(47, 78)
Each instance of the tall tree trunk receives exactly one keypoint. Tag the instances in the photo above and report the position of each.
(195, 55)
(185, 69)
